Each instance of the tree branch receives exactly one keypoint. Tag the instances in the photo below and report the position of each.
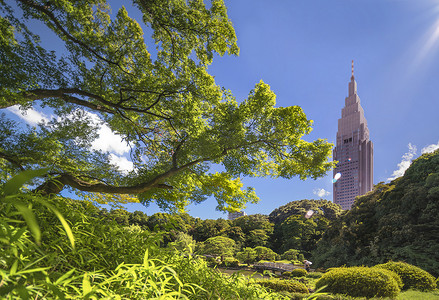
(57, 24)
(12, 160)
(63, 93)
(56, 185)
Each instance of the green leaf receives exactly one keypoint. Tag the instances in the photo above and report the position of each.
(63, 222)
(14, 268)
(31, 221)
(17, 235)
(15, 183)
(65, 276)
(86, 286)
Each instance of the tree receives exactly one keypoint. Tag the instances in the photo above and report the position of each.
(297, 232)
(256, 228)
(218, 246)
(290, 254)
(330, 210)
(209, 228)
(264, 253)
(395, 221)
(164, 104)
(236, 234)
(247, 255)
(184, 242)
(138, 218)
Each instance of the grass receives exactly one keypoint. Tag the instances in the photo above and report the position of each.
(417, 295)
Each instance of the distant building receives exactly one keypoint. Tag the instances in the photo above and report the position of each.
(234, 215)
(354, 152)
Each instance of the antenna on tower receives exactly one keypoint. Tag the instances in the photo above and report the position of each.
(352, 77)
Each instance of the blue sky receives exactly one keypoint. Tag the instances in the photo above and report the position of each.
(303, 50)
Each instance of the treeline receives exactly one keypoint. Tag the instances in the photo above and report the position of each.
(396, 221)
(284, 234)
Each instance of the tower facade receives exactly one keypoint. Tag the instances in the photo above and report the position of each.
(353, 151)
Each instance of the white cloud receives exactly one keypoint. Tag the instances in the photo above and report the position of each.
(405, 162)
(109, 141)
(124, 164)
(321, 192)
(430, 148)
(30, 115)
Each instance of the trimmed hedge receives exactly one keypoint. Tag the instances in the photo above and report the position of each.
(360, 282)
(412, 276)
(279, 285)
(298, 273)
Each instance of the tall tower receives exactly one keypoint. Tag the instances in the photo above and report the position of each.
(354, 151)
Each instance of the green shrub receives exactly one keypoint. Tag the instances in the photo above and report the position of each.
(314, 275)
(286, 274)
(298, 273)
(230, 262)
(279, 285)
(412, 276)
(360, 282)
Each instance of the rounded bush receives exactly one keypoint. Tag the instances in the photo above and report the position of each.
(298, 273)
(279, 285)
(360, 282)
(412, 276)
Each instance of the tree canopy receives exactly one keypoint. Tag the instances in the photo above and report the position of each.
(396, 221)
(147, 80)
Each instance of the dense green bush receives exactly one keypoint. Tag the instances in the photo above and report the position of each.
(360, 282)
(286, 274)
(314, 275)
(298, 273)
(279, 285)
(412, 276)
(230, 262)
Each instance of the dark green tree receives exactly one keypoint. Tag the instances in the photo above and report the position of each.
(328, 209)
(205, 229)
(256, 228)
(396, 221)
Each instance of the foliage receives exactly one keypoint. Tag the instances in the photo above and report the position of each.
(217, 285)
(314, 275)
(47, 267)
(204, 229)
(247, 255)
(326, 208)
(412, 276)
(279, 285)
(218, 246)
(290, 254)
(360, 282)
(396, 221)
(298, 273)
(184, 243)
(293, 231)
(297, 232)
(230, 262)
(256, 228)
(154, 91)
(264, 253)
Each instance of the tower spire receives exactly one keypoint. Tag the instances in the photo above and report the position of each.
(352, 77)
